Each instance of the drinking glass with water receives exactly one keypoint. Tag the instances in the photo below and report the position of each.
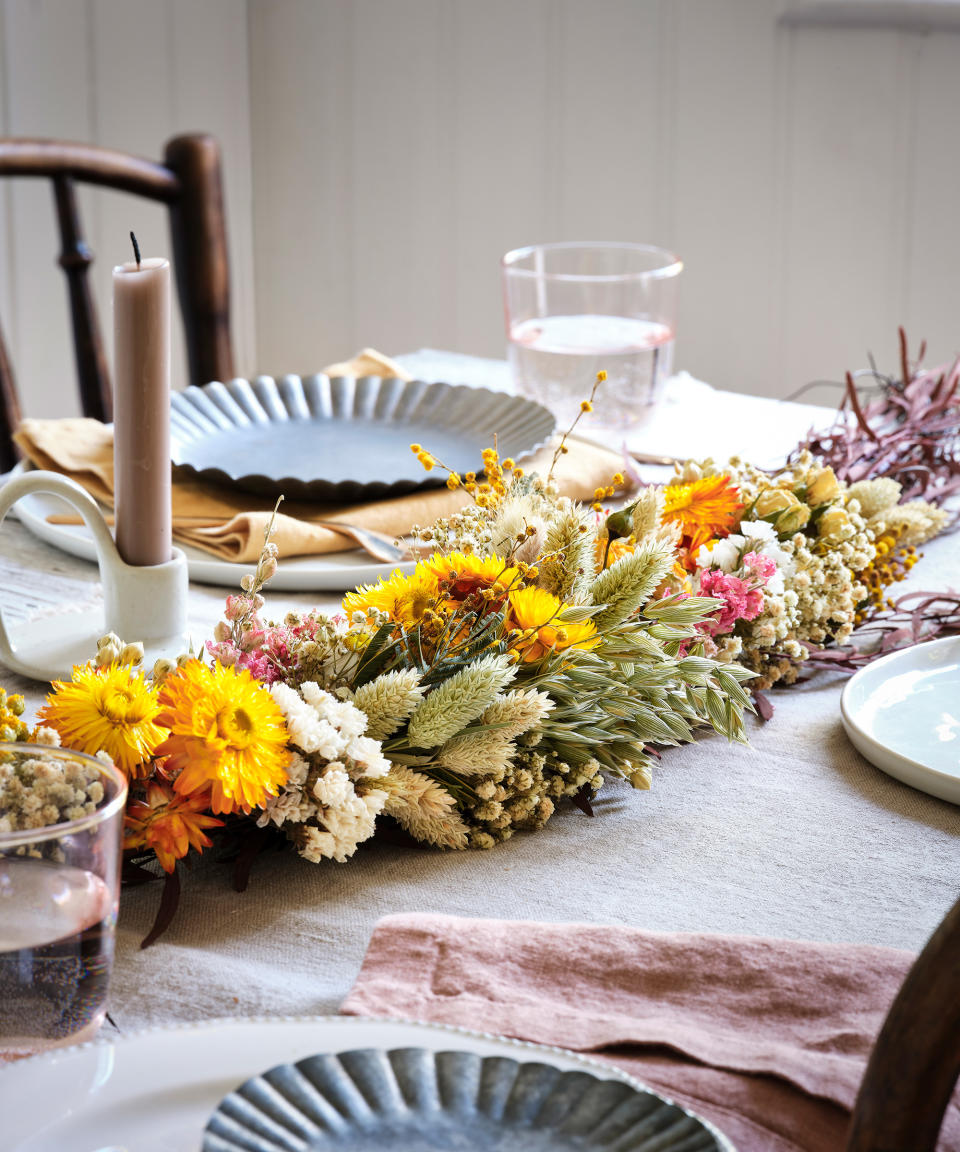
(575, 309)
(61, 824)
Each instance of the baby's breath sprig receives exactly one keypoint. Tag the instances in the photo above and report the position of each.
(585, 406)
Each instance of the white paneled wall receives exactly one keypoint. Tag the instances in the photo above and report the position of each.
(804, 173)
(381, 155)
(125, 74)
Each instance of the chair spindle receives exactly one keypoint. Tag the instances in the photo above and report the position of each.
(9, 409)
(75, 260)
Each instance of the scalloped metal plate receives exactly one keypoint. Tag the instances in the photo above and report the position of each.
(344, 439)
(417, 1100)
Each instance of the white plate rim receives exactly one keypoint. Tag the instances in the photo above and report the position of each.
(923, 777)
(14, 1071)
(297, 574)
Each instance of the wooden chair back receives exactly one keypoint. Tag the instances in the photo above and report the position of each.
(189, 182)
(915, 1062)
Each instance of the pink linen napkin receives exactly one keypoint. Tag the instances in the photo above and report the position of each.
(766, 1038)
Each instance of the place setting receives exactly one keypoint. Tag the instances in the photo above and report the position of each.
(549, 753)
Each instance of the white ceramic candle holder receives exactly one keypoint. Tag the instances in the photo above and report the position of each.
(147, 604)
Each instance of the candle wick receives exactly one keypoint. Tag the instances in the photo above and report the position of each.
(136, 249)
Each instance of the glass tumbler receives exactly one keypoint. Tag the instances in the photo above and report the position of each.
(575, 309)
(59, 889)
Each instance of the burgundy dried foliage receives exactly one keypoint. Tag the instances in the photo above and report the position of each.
(763, 705)
(909, 430)
(581, 800)
(915, 617)
(169, 899)
(251, 847)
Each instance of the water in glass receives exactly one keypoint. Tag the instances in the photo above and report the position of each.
(55, 953)
(555, 360)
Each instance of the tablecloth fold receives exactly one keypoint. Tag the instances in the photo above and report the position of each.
(768, 1038)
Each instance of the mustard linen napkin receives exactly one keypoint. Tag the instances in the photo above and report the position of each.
(230, 524)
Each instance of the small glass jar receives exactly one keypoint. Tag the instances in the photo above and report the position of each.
(59, 891)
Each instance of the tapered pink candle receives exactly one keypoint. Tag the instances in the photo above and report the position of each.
(141, 410)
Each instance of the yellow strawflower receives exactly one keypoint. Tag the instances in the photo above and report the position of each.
(533, 613)
(12, 728)
(404, 598)
(226, 734)
(463, 574)
(110, 709)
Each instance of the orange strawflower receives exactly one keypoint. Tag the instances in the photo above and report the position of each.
(169, 824)
(705, 509)
(227, 735)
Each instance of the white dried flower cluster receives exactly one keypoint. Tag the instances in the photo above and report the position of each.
(827, 593)
(465, 531)
(39, 791)
(805, 521)
(913, 523)
(330, 802)
(522, 798)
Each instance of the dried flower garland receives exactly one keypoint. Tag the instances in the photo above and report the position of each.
(539, 649)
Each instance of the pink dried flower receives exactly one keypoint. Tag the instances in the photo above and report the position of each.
(740, 600)
(760, 566)
(236, 607)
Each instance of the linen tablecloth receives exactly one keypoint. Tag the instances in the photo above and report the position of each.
(795, 837)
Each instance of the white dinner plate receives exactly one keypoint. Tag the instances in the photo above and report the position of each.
(903, 713)
(336, 572)
(154, 1091)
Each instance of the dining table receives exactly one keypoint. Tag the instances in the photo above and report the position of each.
(793, 836)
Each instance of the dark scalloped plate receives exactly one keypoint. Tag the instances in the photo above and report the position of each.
(416, 1100)
(344, 439)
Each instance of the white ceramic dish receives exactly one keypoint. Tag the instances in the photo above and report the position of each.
(340, 571)
(154, 1091)
(903, 713)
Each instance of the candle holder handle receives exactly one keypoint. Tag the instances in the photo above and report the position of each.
(146, 604)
